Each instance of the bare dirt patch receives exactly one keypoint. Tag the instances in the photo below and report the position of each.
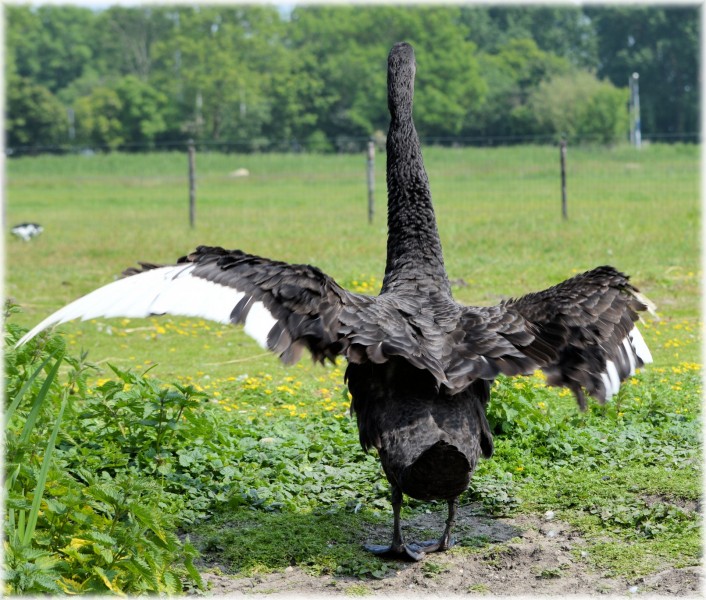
(519, 556)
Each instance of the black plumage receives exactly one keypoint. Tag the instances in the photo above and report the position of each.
(419, 364)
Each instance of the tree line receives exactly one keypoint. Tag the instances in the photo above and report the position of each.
(256, 78)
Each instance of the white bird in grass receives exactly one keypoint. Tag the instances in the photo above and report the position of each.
(27, 231)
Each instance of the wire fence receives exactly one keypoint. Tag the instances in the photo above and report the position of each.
(341, 144)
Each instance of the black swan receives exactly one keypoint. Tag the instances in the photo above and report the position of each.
(419, 364)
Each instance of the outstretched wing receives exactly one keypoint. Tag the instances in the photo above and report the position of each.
(284, 307)
(580, 333)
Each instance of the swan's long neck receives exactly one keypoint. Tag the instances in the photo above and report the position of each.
(414, 255)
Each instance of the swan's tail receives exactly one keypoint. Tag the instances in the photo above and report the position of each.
(442, 471)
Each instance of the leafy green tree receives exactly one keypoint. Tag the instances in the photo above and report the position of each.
(249, 77)
(605, 116)
(128, 35)
(579, 107)
(662, 46)
(348, 47)
(141, 112)
(98, 119)
(216, 65)
(563, 31)
(35, 118)
(511, 74)
(52, 45)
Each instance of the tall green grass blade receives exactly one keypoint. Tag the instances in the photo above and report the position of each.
(14, 533)
(21, 523)
(42, 480)
(16, 402)
(11, 478)
(39, 400)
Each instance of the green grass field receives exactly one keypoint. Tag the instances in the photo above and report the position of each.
(498, 212)
(273, 446)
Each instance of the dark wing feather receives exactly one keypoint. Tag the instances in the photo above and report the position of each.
(303, 302)
(581, 333)
(393, 325)
(593, 315)
(285, 307)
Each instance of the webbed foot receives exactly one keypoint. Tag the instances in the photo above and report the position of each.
(413, 551)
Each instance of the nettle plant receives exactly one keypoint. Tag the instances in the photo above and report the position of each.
(80, 515)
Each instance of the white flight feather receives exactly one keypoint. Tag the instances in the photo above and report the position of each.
(614, 377)
(629, 351)
(608, 386)
(171, 290)
(640, 346)
(259, 323)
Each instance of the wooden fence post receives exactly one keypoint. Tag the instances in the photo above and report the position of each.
(562, 155)
(371, 180)
(192, 183)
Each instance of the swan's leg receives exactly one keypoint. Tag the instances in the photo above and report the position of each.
(446, 542)
(415, 550)
(398, 549)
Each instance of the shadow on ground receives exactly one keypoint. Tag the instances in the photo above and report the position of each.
(320, 554)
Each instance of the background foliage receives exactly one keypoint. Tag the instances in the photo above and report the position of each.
(253, 77)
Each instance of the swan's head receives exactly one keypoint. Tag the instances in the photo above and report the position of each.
(401, 68)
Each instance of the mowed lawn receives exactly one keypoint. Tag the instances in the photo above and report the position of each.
(498, 209)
